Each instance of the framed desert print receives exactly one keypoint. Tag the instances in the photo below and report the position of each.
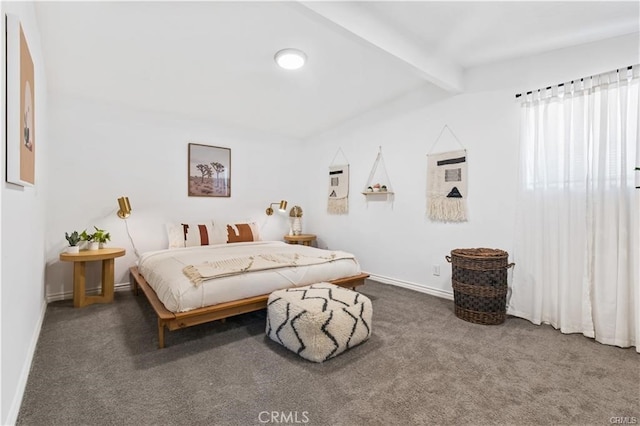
(20, 103)
(209, 171)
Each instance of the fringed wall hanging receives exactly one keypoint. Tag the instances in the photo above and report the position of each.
(338, 186)
(447, 184)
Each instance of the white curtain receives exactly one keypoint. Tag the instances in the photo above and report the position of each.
(577, 236)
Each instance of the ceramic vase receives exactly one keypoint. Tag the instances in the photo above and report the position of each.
(297, 226)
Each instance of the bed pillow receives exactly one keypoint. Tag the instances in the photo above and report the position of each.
(175, 234)
(194, 234)
(242, 232)
(197, 234)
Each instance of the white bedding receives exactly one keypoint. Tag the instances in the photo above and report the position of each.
(163, 271)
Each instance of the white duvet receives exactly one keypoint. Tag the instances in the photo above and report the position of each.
(163, 271)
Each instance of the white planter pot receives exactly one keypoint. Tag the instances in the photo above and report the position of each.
(73, 249)
(94, 245)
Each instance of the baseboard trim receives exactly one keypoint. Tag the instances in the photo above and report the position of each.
(69, 294)
(413, 286)
(441, 293)
(14, 410)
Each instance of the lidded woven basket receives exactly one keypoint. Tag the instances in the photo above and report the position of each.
(479, 281)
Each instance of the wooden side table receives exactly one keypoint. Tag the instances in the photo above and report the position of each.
(107, 255)
(304, 239)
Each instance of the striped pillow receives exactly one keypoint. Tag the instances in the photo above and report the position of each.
(197, 234)
(194, 234)
(242, 232)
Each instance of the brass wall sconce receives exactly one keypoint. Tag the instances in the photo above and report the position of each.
(125, 207)
(123, 213)
(282, 207)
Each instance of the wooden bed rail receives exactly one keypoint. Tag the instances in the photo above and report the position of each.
(178, 320)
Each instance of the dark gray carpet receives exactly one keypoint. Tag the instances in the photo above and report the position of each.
(422, 366)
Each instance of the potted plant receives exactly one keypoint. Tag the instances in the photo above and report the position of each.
(89, 238)
(101, 236)
(73, 240)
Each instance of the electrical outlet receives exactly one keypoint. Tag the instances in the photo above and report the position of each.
(436, 270)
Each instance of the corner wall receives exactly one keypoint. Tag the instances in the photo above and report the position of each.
(395, 241)
(23, 212)
(103, 151)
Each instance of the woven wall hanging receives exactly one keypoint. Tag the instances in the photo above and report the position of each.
(338, 202)
(447, 184)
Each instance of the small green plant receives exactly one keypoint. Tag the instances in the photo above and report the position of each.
(86, 237)
(101, 235)
(73, 239)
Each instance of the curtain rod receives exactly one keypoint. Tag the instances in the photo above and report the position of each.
(562, 84)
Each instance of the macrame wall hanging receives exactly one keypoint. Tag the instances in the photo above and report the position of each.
(338, 186)
(447, 183)
(379, 183)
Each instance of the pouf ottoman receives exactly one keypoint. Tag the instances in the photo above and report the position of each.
(318, 321)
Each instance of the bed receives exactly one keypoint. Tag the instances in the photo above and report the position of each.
(194, 285)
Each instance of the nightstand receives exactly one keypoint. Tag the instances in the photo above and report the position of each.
(107, 256)
(304, 239)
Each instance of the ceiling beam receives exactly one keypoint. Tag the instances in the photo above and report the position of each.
(432, 66)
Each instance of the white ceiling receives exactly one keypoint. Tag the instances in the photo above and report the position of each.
(214, 60)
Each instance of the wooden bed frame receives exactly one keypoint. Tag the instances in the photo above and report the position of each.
(177, 320)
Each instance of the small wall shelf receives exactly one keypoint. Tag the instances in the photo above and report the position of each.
(378, 178)
(378, 193)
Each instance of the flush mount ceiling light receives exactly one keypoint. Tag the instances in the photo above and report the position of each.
(290, 59)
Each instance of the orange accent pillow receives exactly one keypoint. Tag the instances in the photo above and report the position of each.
(243, 232)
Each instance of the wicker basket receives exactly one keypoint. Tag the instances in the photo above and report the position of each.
(479, 280)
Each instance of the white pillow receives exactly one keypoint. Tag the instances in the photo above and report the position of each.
(175, 234)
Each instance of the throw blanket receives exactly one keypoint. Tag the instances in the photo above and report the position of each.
(238, 265)
(447, 186)
(338, 190)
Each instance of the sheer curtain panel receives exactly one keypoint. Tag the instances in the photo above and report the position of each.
(577, 237)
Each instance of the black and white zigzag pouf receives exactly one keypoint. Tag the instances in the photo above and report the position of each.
(318, 321)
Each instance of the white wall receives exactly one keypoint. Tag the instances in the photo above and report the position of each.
(395, 241)
(101, 152)
(22, 238)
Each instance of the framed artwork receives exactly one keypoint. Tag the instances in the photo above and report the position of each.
(209, 171)
(20, 102)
